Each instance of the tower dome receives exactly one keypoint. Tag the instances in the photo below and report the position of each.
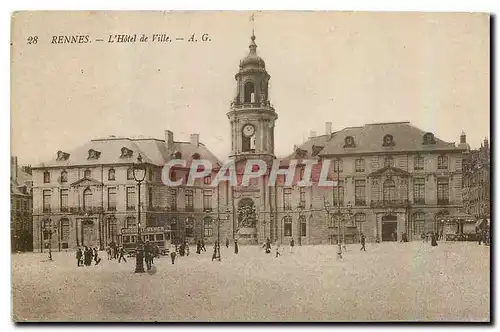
(252, 59)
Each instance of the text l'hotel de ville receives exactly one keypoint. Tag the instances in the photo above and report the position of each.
(131, 38)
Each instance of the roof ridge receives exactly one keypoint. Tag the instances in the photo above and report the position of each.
(386, 123)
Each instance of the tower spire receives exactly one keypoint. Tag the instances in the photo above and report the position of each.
(253, 46)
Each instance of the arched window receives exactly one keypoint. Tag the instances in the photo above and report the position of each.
(418, 223)
(287, 226)
(249, 92)
(64, 176)
(389, 190)
(87, 198)
(111, 175)
(87, 173)
(207, 227)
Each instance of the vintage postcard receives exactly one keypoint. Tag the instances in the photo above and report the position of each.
(250, 166)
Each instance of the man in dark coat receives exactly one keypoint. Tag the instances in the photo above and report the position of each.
(268, 246)
(78, 256)
(235, 246)
(433, 240)
(122, 255)
(198, 247)
(203, 245)
(97, 260)
(227, 242)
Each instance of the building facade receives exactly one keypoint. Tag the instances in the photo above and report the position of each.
(21, 205)
(477, 182)
(389, 179)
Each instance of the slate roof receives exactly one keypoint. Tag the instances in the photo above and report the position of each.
(153, 151)
(369, 139)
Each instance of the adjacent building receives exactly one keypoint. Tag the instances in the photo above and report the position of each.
(21, 204)
(476, 183)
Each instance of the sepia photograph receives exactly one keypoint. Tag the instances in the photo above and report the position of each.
(250, 166)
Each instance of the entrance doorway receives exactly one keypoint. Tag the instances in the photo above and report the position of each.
(89, 236)
(389, 228)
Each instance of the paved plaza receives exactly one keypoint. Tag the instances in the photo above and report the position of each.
(389, 282)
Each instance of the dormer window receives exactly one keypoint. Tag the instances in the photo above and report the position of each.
(349, 142)
(388, 140)
(62, 156)
(429, 139)
(316, 149)
(93, 154)
(87, 173)
(126, 153)
(196, 156)
(299, 153)
(111, 175)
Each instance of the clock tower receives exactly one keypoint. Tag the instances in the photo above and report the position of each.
(252, 116)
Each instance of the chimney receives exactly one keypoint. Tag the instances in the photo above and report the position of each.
(312, 133)
(13, 168)
(169, 138)
(195, 139)
(463, 138)
(328, 128)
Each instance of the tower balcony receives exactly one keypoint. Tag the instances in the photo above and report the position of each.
(265, 104)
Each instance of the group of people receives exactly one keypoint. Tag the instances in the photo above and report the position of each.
(267, 247)
(433, 236)
(85, 256)
(116, 252)
(483, 236)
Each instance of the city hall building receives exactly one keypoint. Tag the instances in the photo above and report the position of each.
(390, 179)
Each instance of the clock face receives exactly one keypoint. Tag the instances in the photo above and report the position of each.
(248, 130)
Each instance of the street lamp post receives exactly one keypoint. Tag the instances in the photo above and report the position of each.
(338, 217)
(349, 211)
(139, 175)
(218, 230)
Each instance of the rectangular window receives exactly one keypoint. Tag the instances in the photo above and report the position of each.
(338, 193)
(47, 196)
(418, 223)
(173, 199)
(112, 199)
(130, 173)
(126, 239)
(418, 163)
(207, 180)
(302, 199)
(287, 198)
(207, 227)
(64, 200)
(375, 163)
(419, 191)
(360, 192)
(443, 191)
(207, 200)
(159, 237)
(150, 198)
(65, 230)
(303, 227)
(442, 162)
(189, 200)
(360, 165)
(359, 219)
(46, 177)
(130, 198)
(151, 173)
(337, 165)
(130, 222)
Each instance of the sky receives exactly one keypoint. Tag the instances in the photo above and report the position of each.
(350, 68)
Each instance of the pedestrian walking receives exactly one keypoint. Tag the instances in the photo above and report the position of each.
(97, 260)
(186, 248)
(363, 242)
(108, 252)
(121, 255)
(78, 256)
(292, 244)
(235, 246)
(172, 256)
(268, 246)
(214, 255)
(87, 253)
(227, 242)
(203, 245)
(198, 247)
(278, 251)
(433, 240)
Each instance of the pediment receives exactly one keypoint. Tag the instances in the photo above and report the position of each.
(393, 171)
(85, 182)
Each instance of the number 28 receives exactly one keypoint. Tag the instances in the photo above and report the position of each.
(32, 40)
